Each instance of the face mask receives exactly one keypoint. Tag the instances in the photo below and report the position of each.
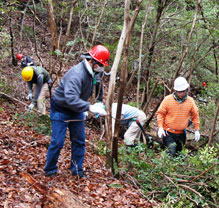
(99, 69)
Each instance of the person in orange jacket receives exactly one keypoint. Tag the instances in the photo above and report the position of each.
(173, 117)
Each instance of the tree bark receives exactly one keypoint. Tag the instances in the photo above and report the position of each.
(52, 25)
(109, 99)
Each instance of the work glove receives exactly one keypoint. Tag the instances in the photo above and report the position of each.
(161, 133)
(197, 135)
(31, 106)
(98, 108)
(29, 97)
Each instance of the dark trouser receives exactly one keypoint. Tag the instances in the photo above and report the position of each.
(174, 142)
(77, 136)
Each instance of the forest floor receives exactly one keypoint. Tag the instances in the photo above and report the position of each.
(23, 152)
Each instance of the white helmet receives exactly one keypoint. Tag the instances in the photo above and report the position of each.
(180, 84)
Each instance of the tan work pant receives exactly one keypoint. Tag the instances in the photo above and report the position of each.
(134, 132)
(41, 101)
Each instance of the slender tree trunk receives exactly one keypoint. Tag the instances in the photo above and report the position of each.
(98, 23)
(161, 6)
(214, 124)
(108, 121)
(125, 38)
(69, 25)
(52, 24)
(140, 51)
(188, 40)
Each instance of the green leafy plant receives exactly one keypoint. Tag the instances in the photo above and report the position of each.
(41, 124)
(169, 180)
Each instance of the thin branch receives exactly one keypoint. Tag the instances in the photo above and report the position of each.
(203, 172)
(191, 189)
(98, 23)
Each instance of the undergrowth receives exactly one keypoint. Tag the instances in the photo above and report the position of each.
(40, 124)
(171, 181)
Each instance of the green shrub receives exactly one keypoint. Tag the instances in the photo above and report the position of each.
(167, 179)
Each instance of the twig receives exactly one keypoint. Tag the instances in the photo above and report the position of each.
(2, 93)
(203, 173)
(191, 189)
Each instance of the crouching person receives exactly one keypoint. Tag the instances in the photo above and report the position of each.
(37, 75)
(128, 116)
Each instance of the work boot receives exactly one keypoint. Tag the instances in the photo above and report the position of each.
(51, 174)
(80, 175)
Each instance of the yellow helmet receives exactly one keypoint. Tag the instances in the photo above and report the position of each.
(27, 73)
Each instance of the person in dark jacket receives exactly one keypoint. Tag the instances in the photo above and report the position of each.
(40, 77)
(25, 61)
(98, 82)
(68, 103)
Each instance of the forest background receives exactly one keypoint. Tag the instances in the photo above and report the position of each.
(151, 43)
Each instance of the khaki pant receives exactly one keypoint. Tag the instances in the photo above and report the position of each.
(134, 132)
(41, 101)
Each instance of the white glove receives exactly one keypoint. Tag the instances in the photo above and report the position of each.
(31, 106)
(98, 108)
(85, 114)
(161, 133)
(197, 135)
(29, 97)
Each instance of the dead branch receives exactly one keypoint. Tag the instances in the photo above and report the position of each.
(203, 173)
(191, 189)
(12, 98)
(55, 198)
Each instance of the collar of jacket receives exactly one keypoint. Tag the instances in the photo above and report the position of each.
(89, 68)
(180, 100)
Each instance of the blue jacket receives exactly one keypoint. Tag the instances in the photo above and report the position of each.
(74, 90)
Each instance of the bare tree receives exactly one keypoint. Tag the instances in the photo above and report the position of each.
(98, 23)
(162, 4)
(128, 25)
(214, 124)
(188, 40)
(140, 50)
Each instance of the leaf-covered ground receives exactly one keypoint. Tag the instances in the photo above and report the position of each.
(22, 150)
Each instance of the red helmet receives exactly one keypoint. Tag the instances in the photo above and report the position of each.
(19, 56)
(101, 54)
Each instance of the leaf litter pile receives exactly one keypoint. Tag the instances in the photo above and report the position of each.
(24, 184)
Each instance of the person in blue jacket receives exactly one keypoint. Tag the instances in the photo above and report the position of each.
(25, 61)
(68, 103)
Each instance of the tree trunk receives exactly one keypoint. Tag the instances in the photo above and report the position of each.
(188, 40)
(52, 25)
(161, 6)
(214, 124)
(109, 99)
(140, 52)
